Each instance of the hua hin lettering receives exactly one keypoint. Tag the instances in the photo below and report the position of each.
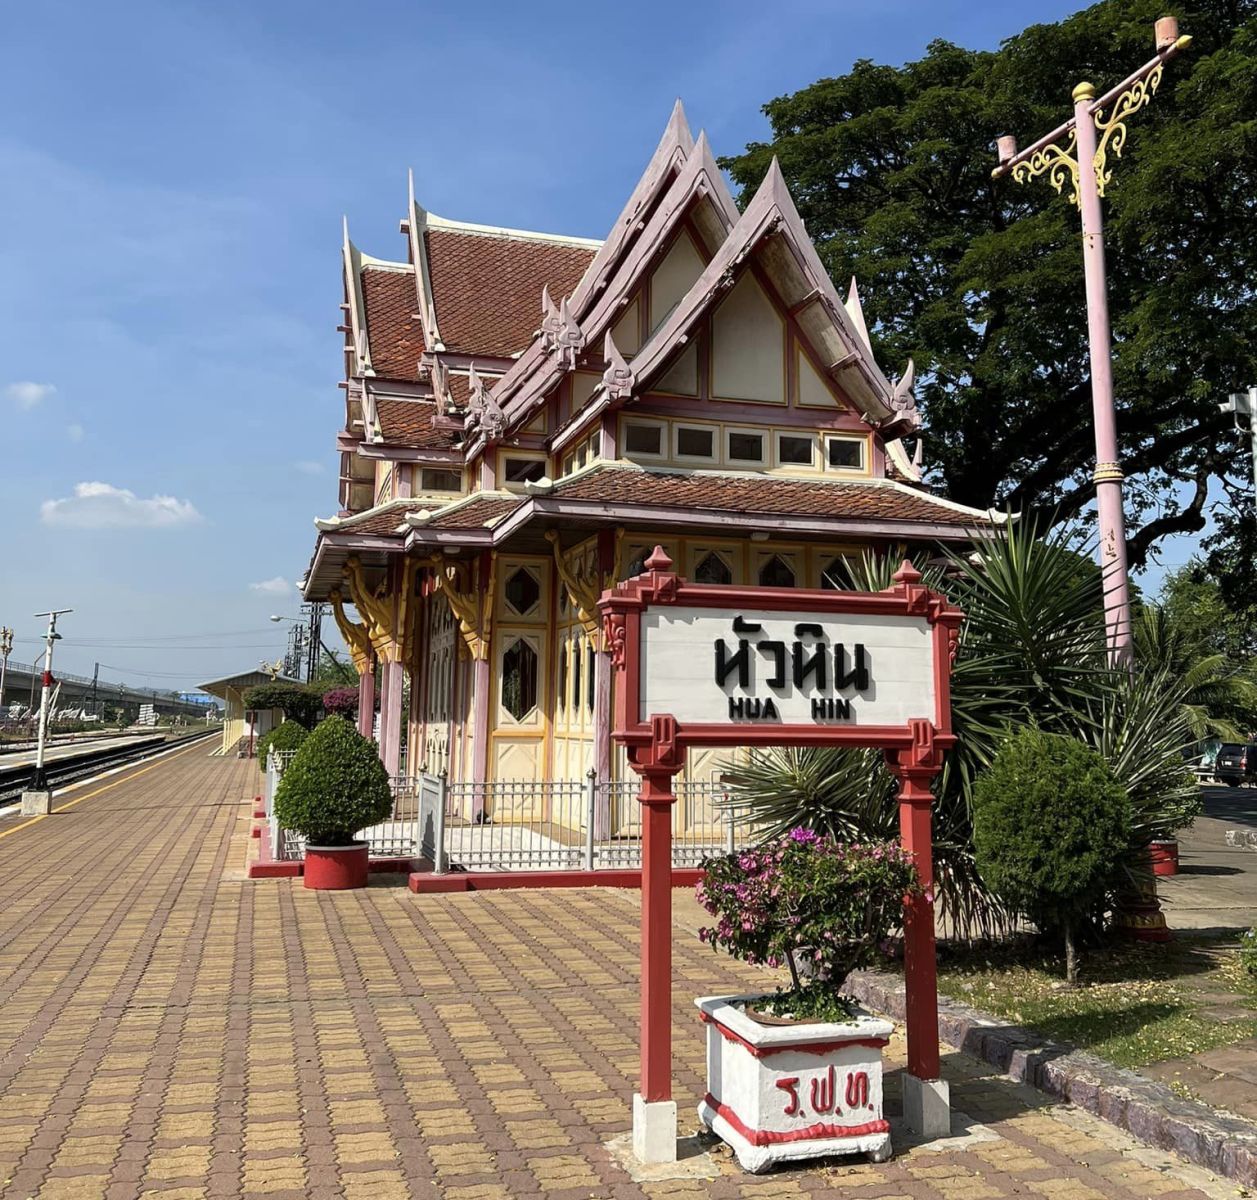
(808, 664)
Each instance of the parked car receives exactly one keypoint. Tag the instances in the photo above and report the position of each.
(1236, 763)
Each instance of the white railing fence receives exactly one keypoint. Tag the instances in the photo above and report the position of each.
(529, 825)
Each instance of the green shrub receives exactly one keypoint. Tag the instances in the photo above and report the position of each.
(1248, 952)
(334, 787)
(286, 736)
(1050, 822)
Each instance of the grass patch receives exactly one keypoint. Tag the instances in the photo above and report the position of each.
(1136, 1003)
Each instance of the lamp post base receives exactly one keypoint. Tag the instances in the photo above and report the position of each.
(36, 803)
(654, 1130)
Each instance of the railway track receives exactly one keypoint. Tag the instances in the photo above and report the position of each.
(60, 772)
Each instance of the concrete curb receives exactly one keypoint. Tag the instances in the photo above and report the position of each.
(1147, 1110)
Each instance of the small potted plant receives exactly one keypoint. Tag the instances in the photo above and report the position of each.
(798, 1073)
(334, 787)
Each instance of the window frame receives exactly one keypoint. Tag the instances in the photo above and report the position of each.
(850, 439)
(506, 457)
(695, 427)
(765, 448)
(661, 427)
(801, 435)
(454, 471)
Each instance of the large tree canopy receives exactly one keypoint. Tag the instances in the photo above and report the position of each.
(980, 280)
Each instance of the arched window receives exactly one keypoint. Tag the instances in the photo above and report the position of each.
(835, 576)
(776, 572)
(713, 569)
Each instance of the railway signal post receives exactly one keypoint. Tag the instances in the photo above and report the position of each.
(38, 799)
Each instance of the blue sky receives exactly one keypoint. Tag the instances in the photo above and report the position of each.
(174, 176)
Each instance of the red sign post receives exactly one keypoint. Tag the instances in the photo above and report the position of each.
(714, 665)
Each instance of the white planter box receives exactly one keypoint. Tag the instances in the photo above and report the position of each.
(777, 1093)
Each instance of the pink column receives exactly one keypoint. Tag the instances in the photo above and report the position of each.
(1108, 474)
(391, 679)
(366, 700)
(602, 699)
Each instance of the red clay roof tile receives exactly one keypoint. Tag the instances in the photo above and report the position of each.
(757, 494)
(394, 333)
(487, 290)
(409, 423)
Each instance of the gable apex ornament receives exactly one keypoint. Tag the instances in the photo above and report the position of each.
(618, 377)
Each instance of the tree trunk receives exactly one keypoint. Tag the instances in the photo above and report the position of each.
(1071, 956)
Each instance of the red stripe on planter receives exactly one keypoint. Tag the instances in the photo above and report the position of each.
(770, 1137)
(801, 1047)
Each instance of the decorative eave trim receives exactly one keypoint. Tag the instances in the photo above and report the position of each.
(515, 235)
(352, 259)
(423, 276)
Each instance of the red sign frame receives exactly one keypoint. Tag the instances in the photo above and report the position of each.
(624, 606)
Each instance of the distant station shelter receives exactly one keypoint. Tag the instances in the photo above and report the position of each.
(528, 415)
(242, 726)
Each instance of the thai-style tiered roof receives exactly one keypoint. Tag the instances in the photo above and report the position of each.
(488, 337)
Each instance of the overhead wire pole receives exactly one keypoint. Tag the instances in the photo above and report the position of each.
(1077, 151)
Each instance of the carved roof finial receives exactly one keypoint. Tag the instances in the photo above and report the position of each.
(618, 377)
(918, 455)
(571, 337)
(551, 319)
(482, 405)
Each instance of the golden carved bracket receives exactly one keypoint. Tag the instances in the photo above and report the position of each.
(1058, 163)
(1112, 129)
(471, 606)
(355, 634)
(583, 589)
(384, 618)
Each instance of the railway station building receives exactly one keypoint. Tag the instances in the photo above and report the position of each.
(527, 415)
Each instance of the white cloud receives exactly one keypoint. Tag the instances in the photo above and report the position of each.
(278, 586)
(103, 506)
(309, 467)
(27, 395)
(74, 431)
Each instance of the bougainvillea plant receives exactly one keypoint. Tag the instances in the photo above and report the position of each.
(340, 702)
(819, 906)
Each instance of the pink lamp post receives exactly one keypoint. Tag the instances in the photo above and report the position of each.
(1078, 152)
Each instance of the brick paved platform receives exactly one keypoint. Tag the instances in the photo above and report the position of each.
(168, 1028)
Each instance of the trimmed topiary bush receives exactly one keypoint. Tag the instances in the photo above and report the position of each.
(297, 701)
(334, 787)
(1050, 823)
(286, 736)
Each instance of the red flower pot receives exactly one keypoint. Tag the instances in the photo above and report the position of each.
(335, 868)
(1164, 858)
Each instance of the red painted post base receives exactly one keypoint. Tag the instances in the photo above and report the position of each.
(336, 868)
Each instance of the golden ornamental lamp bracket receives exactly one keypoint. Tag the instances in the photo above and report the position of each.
(1056, 155)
